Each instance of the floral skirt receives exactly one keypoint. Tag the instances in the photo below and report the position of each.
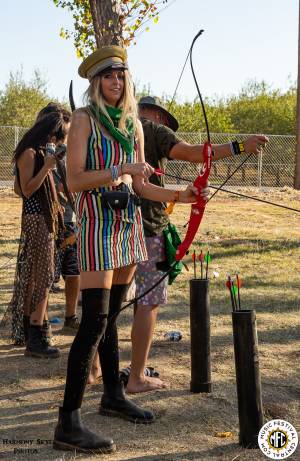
(147, 274)
(34, 272)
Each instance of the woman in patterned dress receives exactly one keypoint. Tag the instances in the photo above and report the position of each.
(39, 228)
(105, 154)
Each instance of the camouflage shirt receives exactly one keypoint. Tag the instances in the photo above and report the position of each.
(159, 141)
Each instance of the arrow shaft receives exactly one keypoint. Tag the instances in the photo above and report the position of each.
(236, 193)
(254, 198)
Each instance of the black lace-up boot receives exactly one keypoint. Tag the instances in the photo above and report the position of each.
(47, 333)
(37, 346)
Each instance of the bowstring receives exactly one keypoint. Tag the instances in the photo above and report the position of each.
(173, 264)
(137, 298)
(178, 82)
(236, 193)
(196, 83)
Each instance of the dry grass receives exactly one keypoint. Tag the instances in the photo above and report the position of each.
(260, 242)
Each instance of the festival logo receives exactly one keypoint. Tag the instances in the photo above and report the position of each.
(278, 439)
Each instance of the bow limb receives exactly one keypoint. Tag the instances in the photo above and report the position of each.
(194, 223)
(197, 209)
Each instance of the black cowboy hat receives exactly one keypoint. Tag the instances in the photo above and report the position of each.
(155, 102)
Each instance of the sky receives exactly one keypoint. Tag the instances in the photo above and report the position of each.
(243, 40)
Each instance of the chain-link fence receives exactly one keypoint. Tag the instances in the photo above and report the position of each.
(275, 168)
(9, 138)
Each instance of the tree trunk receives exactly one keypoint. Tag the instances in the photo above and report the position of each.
(297, 167)
(107, 26)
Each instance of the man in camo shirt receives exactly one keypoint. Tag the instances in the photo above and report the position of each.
(161, 145)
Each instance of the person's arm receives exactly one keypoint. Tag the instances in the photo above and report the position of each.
(193, 153)
(17, 189)
(29, 183)
(152, 192)
(159, 194)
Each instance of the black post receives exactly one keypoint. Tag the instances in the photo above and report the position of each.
(200, 336)
(247, 377)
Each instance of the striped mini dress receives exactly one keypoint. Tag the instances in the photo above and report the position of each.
(107, 239)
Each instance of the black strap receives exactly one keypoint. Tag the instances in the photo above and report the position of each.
(62, 174)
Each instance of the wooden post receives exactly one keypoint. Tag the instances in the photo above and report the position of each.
(297, 158)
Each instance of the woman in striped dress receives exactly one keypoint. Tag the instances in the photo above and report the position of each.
(105, 156)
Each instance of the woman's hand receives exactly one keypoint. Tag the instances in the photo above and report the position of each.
(142, 169)
(255, 143)
(205, 192)
(49, 162)
(191, 193)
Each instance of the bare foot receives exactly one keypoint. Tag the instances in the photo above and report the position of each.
(94, 375)
(145, 384)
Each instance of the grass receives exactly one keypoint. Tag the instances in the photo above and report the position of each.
(261, 243)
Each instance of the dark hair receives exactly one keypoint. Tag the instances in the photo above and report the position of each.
(46, 126)
(51, 107)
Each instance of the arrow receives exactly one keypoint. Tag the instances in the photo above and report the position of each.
(159, 172)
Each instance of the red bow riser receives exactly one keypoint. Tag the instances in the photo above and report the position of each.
(197, 209)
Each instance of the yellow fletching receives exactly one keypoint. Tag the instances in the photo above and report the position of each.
(170, 208)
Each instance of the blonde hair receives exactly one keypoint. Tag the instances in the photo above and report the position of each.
(127, 101)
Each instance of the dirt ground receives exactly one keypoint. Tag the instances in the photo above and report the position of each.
(259, 241)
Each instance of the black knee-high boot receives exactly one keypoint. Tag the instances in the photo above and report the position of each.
(70, 434)
(113, 401)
